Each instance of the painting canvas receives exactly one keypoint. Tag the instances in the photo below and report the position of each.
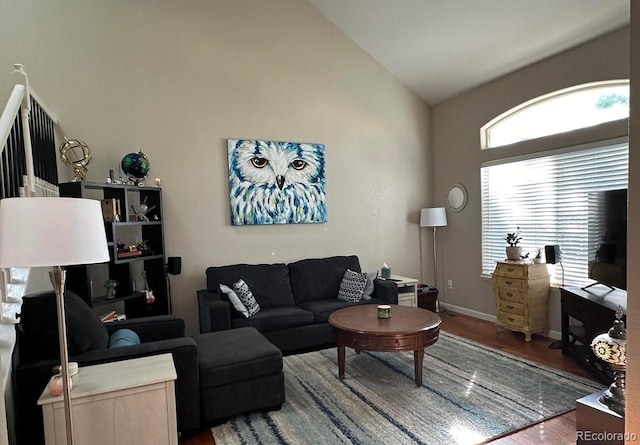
(273, 182)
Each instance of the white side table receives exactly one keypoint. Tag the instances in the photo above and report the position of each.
(125, 402)
(407, 290)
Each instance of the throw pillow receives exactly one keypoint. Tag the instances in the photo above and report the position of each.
(85, 331)
(123, 337)
(368, 287)
(246, 296)
(235, 301)
(352, 286)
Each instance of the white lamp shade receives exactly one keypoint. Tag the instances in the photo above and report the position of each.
(434, 217)
(37, 232)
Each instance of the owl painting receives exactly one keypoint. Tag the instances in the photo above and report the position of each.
(276, 182)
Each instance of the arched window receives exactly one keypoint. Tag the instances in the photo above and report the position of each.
(565, 110)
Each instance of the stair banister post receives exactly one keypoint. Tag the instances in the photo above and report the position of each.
(18, 70)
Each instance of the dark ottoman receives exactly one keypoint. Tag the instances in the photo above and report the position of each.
(240, 371)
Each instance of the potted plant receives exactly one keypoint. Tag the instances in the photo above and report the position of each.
(514, 252)
(538, 258)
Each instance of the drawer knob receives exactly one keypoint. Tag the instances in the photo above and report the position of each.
(510, 318)
(509, 294)
(509, 282)
(510, 269)
(510, 306)
(397, 342)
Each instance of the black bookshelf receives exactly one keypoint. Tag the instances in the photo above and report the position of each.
(129, 271)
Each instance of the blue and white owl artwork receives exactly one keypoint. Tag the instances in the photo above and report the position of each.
(276, 182)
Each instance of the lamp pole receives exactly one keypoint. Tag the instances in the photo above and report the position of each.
(58, 277)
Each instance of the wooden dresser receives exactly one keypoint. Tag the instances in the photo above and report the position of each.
(522, 297)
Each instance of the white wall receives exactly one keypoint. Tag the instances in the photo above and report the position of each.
(178, 78)
(457, 157)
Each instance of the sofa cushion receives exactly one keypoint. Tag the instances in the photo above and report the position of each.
(235, 355)
(352, 286)
(39, 326)
(320, 278)
(322, 309)
(85, 331)
(268, 282)
(275, 318)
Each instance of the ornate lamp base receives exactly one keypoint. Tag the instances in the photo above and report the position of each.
(614, 397)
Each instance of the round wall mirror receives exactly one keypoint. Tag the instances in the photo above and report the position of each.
(456, 197)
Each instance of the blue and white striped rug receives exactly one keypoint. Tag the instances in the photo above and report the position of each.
(470, 393)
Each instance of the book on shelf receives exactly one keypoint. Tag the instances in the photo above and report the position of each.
(117, 317)
(108, 316)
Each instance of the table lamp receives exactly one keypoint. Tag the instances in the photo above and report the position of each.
(611, 347)
(434, 217)
(40, 232)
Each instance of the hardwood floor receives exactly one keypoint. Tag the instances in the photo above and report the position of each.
(560, 430)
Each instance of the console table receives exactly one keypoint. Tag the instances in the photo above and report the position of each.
(585, 314)
(125, 402)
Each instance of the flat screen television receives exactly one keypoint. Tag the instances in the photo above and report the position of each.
(608, 238)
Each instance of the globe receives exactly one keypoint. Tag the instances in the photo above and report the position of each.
(135, 166)
(76, 153)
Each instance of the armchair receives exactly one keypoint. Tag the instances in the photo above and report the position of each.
(36, 354)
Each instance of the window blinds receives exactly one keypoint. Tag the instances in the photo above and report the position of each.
(548, 197)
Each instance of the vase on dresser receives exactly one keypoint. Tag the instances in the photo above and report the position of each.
(514, 252)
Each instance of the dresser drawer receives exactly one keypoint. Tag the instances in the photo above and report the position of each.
(511, 270)
(512, 283)
(511, 294)
(512, 307)
(514, 320)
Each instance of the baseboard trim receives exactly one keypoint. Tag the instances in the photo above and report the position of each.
(555, 335)
(470, 313)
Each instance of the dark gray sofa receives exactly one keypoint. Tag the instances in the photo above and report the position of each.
(295, 300)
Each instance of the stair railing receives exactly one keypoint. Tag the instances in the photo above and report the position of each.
(26, 168)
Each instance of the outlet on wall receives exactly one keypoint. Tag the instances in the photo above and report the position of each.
(449, 284)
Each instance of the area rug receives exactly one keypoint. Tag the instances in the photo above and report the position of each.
(470, 393)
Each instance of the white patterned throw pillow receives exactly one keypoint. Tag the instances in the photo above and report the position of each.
(247, 298)
(235, 301)
(368, 288)
(352, 286)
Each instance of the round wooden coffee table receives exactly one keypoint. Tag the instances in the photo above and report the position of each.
(408, 329)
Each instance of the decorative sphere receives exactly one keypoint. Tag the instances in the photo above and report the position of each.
(611, 346)
(77, 154)
(609, 349)
(136, 166)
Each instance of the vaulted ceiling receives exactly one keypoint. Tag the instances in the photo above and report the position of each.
(440, 48)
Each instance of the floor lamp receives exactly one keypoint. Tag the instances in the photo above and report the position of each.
(41, 232)
(434, 217)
